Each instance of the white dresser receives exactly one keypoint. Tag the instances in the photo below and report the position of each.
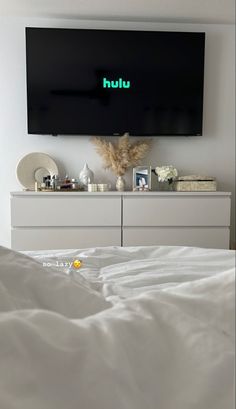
(41, 220)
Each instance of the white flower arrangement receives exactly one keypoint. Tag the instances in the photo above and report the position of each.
(166, 173)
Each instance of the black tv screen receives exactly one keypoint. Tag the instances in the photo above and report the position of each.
(108, 82)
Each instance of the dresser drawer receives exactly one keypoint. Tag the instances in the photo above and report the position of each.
(42, 220)
(176, 211)
(210, 237)
(64, 238)
(66, 211)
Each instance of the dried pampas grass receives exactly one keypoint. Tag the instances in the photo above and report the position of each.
(121, 155)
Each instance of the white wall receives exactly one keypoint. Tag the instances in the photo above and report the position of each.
(211, 154)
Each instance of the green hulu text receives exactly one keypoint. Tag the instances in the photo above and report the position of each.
(120, 83)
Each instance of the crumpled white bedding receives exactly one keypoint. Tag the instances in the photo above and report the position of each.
(166, 343)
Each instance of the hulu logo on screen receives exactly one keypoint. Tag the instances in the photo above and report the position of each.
(115, 84)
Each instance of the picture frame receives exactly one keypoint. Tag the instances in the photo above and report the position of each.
(142, 178)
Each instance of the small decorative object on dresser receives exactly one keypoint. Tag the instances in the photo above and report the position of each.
(92, 187)
(86, 175)
(120, 184)
(121, 155)
(195, 183)
(166, 176)
(98, 187)
(104, 187)
(142, 178)
(33, 167)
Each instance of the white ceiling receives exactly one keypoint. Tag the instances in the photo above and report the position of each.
(191, 11)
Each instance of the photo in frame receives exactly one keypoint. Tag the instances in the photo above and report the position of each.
(142, 178)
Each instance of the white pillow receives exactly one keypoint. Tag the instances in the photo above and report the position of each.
(26, 284)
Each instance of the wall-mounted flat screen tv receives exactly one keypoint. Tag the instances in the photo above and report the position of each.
(108, 82)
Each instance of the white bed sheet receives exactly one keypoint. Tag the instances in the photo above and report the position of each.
(167, 342)
(124, 272)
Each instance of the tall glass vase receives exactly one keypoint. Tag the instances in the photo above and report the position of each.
(120, 184)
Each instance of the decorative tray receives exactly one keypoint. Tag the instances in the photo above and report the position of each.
(62, 190)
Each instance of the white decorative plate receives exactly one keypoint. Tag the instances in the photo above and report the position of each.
(33, 167)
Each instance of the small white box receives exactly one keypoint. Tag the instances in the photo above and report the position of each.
(195, 183)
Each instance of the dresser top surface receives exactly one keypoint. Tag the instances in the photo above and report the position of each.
(115, 193)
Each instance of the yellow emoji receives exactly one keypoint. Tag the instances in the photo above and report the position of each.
(77, 264)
